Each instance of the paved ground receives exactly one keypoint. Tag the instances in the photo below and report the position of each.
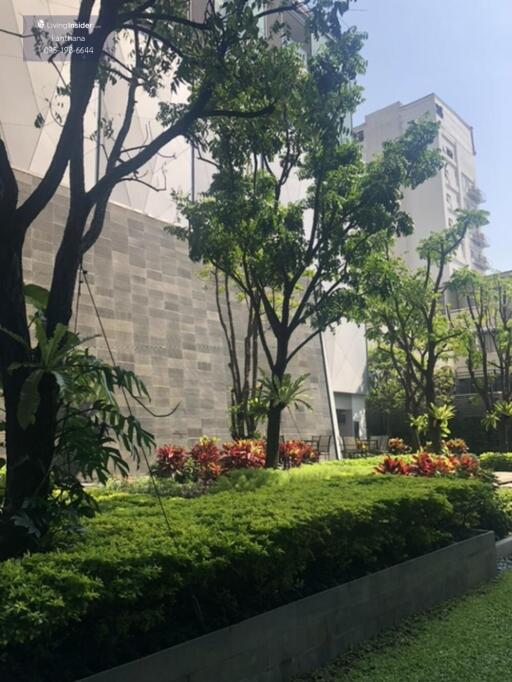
(504, 478)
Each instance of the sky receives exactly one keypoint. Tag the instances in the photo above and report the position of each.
(462, 51)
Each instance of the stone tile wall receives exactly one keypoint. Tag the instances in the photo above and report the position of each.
(161, 322)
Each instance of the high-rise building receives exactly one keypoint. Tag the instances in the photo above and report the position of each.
(432, 205)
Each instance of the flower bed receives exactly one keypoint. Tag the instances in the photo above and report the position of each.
(207, 459)
(425, 464)
(129, 587)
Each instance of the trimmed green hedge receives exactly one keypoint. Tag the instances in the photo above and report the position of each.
(496, 461)
(129, 589)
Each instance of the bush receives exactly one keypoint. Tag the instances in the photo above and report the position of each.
(496, 461)
(206, 460)
(243, 454)
(296, 452)
(425, 464)
(397, 446)
(457, 446)
(130, 588)
(206, 456)
(174, 462)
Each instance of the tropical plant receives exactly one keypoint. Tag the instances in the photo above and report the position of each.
(424, 464)
(456, 446)
(499, 415)
(294, 453)
(397, 446)
(243, 454)
(89, 435)
(174, 462)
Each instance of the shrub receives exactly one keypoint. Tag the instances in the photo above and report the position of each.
(457, 446)
(397, 446)
(206, 455)
(496, 461)
(243, 454)
(174, 462)
(392, 465)
(130, 588)
(296, 452)
(426, 465)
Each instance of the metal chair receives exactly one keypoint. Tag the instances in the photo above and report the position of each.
(324, 446)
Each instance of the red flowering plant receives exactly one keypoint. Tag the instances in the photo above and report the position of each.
(174, 462)
(310, 454)
(397, 446)
(293, 453)
(456, 446)
(206, 454)
(392, 465)
(467, 466)
(425, 464)
(243, 454)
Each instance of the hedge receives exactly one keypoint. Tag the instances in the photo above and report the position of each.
(496, 461)
(128, 588)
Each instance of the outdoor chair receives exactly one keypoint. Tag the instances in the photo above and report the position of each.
(324, 446)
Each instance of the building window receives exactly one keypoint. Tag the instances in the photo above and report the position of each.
(449, 153)
(439, 110)
(359, 136)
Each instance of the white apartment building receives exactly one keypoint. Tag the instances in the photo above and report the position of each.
(432, 205)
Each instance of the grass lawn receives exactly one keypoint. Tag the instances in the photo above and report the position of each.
(468, 640)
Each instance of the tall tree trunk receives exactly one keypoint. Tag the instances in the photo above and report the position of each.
(276, 409)
(434, 427)
(29, 451)
(273, 433)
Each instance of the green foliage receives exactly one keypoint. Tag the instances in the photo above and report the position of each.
(496, 461)
(502, 410)
(246, 226)
(284, 392)
(91, 432)
(483, 319)
(129, 587)
(407, 322)
(442, 414)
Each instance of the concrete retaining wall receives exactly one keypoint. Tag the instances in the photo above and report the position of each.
(305, 634)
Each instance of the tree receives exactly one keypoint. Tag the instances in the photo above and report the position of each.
(302, 259)
(247, 408)
(405, 313)
(485, 340)
(386, 394)
(225, 67)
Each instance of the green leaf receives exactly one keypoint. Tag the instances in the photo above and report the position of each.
(15, 337)
(29, 398)
(36, 296)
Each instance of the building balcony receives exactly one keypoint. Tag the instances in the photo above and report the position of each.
(475, 196)
(479, 239)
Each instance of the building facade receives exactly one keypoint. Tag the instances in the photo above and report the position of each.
(433, 205)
